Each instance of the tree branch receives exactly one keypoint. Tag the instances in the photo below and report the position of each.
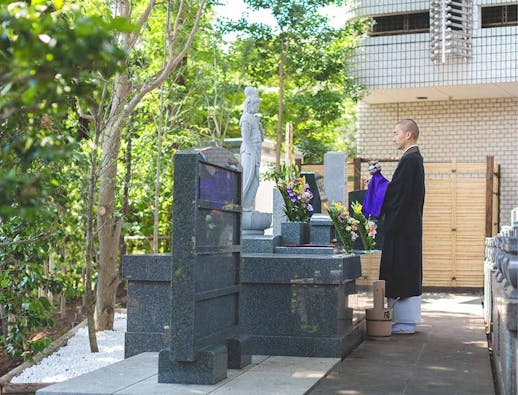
(42, 236)
(172, 62)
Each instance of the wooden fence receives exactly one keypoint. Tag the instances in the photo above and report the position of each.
(461, 209)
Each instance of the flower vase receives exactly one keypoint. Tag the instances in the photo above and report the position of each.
(295, 232)
(370, 261)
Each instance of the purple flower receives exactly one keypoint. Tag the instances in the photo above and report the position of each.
(310, 208)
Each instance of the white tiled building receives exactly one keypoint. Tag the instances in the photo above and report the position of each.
(453, 67)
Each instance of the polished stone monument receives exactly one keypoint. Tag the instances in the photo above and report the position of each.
(205, 295)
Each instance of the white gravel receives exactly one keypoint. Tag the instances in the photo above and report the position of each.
(75, 358)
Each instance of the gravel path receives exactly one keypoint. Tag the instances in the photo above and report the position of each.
(75, 358)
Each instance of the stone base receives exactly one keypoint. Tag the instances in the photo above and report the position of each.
(138, 342)
(295, 233)
(333, 346)
(149, 302)
(238, 349)
(209, 367)
(257, 244)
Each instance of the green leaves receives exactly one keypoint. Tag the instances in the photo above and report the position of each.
(319, 94)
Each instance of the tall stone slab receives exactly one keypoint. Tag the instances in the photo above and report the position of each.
(278, 212)
(205, 337)
(335, 176)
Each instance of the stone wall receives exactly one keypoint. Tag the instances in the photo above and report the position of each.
(465, 130)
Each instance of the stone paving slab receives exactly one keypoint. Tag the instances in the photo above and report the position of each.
(447, 355)
(138, 375)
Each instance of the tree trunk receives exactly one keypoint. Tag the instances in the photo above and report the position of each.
(122, 104)
(108, 226)
(89, 250)
(125, 194)
(108, 222)
(281, 111)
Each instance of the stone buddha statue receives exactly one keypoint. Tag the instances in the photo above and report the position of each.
(252, 133)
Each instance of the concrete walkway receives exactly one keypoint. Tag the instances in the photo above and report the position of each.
(447, 355)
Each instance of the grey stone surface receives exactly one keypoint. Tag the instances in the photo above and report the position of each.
(109, 379)
(322, 230)
(239, 354)
(206, 260)
(278, 212)
(152, 267)
(310, 249)
(208, 367)
(335, 176)
(251, 244)
(294, 232)
(285, 268)
(138, 342)
(447, 355)
(297, 304)
(137, 376)
(501, 281)
(149, 304)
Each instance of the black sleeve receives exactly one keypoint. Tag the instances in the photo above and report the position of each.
(398, 194)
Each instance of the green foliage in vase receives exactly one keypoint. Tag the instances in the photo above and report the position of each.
(294, 191)
(345, 225)
(366, 227)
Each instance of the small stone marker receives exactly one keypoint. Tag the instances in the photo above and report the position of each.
(379, 318)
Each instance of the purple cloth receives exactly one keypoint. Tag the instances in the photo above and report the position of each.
(375, 195)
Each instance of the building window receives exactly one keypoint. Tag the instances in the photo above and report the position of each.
(400, 24)
(504, 15)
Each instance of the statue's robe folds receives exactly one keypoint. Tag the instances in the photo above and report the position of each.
(401, 258)
(250, 154)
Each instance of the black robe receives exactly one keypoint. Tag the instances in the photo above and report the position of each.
(401, 258)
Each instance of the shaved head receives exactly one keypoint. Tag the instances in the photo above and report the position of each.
(409, 125)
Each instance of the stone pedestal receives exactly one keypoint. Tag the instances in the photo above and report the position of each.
(149, 302)
(322, 230)
(295, 233)
(296, 304)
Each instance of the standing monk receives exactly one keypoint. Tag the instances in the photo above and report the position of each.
(401, 258)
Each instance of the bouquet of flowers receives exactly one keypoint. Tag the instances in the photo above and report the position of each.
(366, 227)
(295, 193)
(345, 225)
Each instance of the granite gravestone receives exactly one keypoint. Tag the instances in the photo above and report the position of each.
(335, 176)
(502, 284)
(204, 338)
